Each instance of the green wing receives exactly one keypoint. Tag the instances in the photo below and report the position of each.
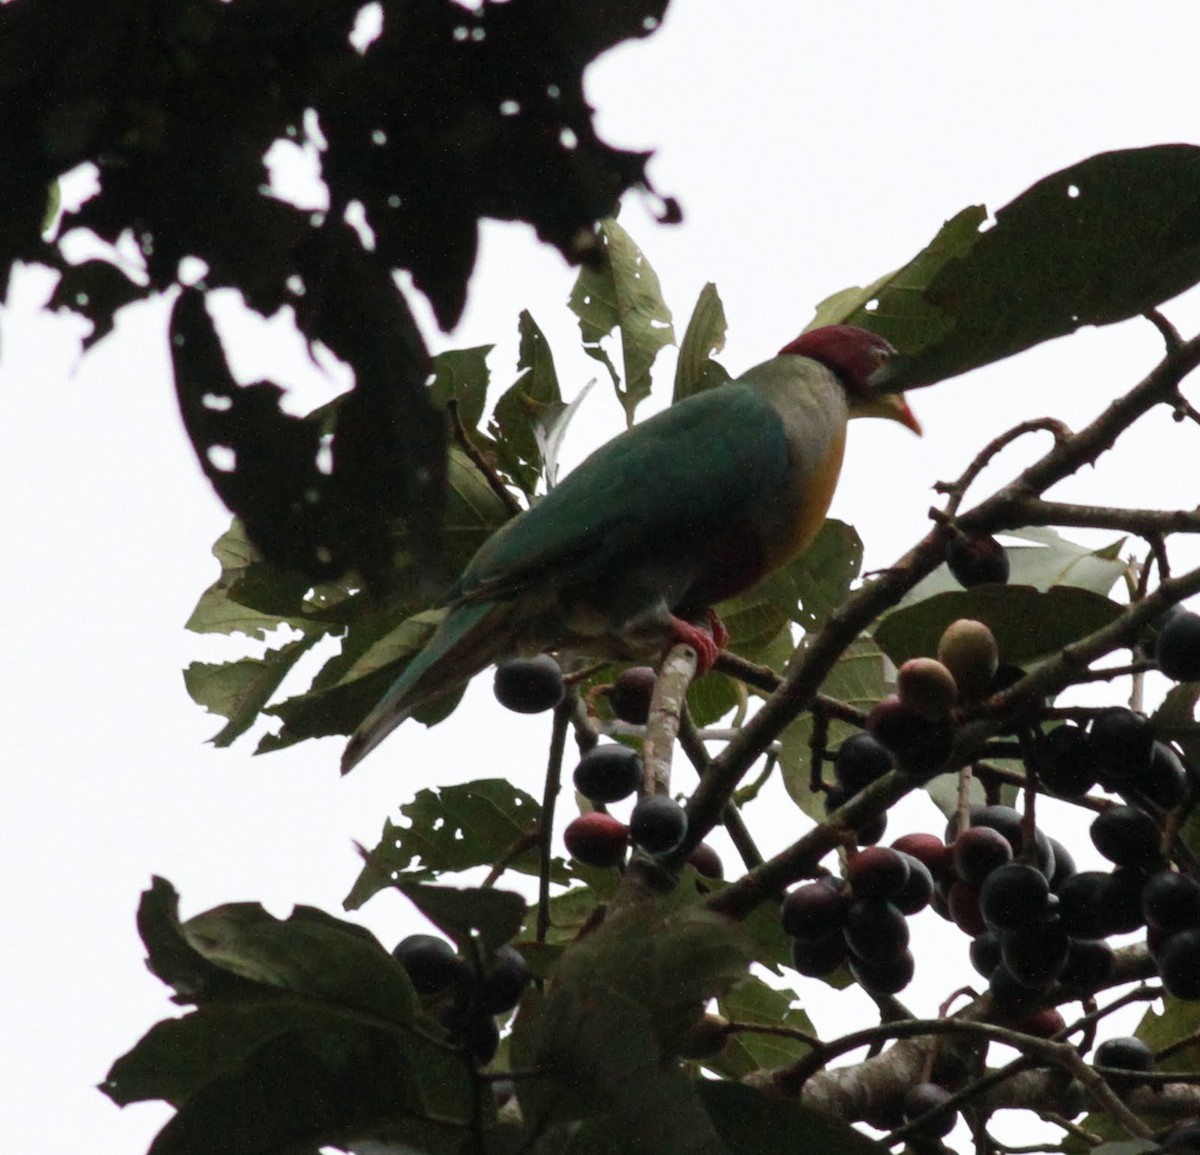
(666, 486)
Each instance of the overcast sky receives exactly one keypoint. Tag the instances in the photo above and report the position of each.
(812, 146)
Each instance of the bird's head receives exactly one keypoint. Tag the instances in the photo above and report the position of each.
(859, 358)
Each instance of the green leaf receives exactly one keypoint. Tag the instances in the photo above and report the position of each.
(1178, 1020)
(623, 995)
(813, 584)
(310, 953)
(753, 1001)
(1095, 243)
(520, 412)
(451, 828)
(240, 690)
(1051, 561)
(858, 680)
(696, 370)
(464, 912)
(461, 375)
(751, 1123)
(1126, 1147)
(622, 292)
(1028, 623)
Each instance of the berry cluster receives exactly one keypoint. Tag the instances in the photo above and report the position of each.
(464, 998)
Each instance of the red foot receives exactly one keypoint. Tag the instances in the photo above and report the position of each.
(708, 645)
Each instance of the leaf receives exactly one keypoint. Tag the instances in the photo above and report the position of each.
(310, 953)
(1103, 240)
(1028, 623)
(811, 586)
(94, 289)
(753, 1001)
(622, 293)
(1178, 1020)
(552, 428)
(240, 690)
(858, 680)
(751, 1123)
(1051, 561)
(451, 828)
(696, 370)
(463, 912)
(533, 397)
(604, 1036)
(461, 375)
(1126, 1147)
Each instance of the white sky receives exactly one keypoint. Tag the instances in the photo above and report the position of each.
(812, 146)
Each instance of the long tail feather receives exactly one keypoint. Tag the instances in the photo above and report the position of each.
(468, 639)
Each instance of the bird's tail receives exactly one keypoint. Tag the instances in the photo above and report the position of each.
(468, 639)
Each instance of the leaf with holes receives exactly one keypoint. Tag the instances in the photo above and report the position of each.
(752, 1001)
(622, 294)
(452, 828)
(1098, 242)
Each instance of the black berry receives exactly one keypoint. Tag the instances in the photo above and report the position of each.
(529, 685)
(608, 773)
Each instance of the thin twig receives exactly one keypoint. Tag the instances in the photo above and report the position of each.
(558, 742)
(495, 482)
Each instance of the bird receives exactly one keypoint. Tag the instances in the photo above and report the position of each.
(685, 509)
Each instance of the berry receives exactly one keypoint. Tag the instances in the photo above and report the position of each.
(1093, 904)
(920, 746)
(1125, 1054)
(1008, 994)
(818, 957)
(963, 903)
(1008, 822)
(967, 648)
(1123, 742)
(1064, 865)
(979, 851)
(889, 977)
(877, 872)
(704, 1038)
(867, 834)
(860, 760)
(977, 559)
(505, 981)
(1089, 964)
(608, 773)
(596, 839)
(1178, 647)
(1044, 1023)
(985, 952)
(1035, 955)
(917, 892)
(925, 686)
(529, 685)
(926, 848)
(1127, 836)
(707, 861)
(1171, 902)
(922, 1098)
(630, 694)
(1067, 763)
(1014, 896)
(812, 910)
(430, 962)
(1165, 780)
(658, 824)
(875, 929)
(1179, 964)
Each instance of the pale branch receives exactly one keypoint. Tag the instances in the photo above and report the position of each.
(662, 725)
(1147, 523)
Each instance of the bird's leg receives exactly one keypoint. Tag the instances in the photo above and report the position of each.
(708, 643)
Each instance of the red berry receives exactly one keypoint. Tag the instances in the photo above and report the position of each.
(596, 839)
(630, 694)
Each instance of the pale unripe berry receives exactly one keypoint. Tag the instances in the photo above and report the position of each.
(927, 687)
(968, 650)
